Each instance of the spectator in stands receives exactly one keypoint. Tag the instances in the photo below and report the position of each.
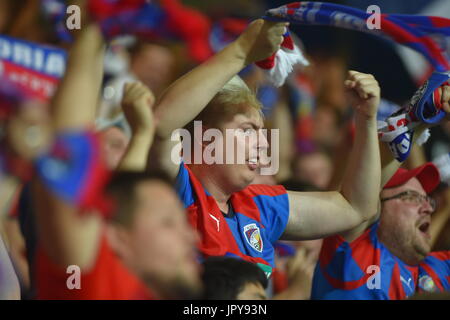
(226, 278)
(244, 221)
(388, 257)
(148, 249)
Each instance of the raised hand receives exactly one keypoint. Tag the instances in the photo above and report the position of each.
(137, 103)
(364, 93)
(261, 39)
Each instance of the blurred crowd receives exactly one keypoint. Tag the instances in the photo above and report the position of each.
(316, 128)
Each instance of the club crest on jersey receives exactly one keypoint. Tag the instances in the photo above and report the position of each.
(253, 236)
(426, 283)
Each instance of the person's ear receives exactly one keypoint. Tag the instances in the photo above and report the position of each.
(118, 238)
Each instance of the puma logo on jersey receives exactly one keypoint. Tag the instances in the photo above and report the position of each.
(406, 282)
(217, 221)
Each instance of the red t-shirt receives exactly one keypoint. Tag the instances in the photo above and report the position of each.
(108, 279)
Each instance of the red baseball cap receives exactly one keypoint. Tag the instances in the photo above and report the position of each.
(427, 174)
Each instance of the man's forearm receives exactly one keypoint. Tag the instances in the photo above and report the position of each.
(9, 283)
(75, 101)
(361, 181)
(187, 97)
(389, 165)
(135, 158)
(440, 218)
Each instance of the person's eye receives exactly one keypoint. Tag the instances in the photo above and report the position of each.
(416, 198)
(407, 197)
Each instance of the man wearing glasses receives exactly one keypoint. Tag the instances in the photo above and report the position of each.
(388, 257)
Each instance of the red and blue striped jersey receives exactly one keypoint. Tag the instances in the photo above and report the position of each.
(258, 217)
(362, 269)
(365, 269)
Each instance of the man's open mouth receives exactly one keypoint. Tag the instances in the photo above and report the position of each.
(424, 227)
(253, 163)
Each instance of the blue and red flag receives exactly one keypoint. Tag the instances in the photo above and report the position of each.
(30, 70)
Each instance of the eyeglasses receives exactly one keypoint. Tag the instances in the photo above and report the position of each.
(413, 197)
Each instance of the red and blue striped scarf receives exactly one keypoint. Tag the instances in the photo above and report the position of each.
(417, 32)
(429, 36)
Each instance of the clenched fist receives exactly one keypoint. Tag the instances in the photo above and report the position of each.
(137, 103)
(364, 92)
(261, 39)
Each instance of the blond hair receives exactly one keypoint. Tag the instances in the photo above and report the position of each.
(235, 97)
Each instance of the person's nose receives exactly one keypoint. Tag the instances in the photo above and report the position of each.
(427, 207)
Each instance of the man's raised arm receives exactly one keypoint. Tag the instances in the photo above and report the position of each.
(137, 103)
(187, 96)
(75, 102)
(320, 214)
(65, 235)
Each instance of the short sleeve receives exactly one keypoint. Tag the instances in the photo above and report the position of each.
(183, 186)
(273, 205)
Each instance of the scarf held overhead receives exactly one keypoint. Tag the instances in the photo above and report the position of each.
(430, 36)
